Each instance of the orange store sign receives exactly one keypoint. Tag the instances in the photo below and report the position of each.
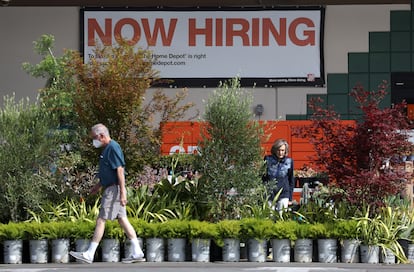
(183, 137)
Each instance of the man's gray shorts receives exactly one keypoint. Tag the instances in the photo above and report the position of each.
(111, 207)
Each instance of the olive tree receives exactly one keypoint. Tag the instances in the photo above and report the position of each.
(230, 160)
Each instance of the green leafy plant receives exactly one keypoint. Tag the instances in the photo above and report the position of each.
(229, 228)
(393, 229)
(58, 230)
(11, 231)
(369, 229)
(118, 87)
(230, 160)
(139, 225)
(202, 229)
(323, 230)
(305, 231)
(284, 230)
(260, 229)
(28, 143)
(114, 231)
(35, 231)
(174, 229)
(261, 209)
(346, 229)
(152, 230)
(82, 229)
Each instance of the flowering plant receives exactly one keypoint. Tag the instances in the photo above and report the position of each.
(307, 172)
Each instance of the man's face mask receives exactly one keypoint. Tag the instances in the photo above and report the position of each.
(96, 143)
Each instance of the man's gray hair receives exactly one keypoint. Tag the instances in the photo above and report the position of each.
(100, 129)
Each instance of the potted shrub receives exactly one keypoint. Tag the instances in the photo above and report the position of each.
(257, 232)
(37, 233)
(347, 235)
(12, 235)
(369, 233)
(59, 234)
(176, 232)
(111, 248)
(81, 233)
(139, 225)
(394, 227)
(154, 242)
(282, 235)
(201, 234)
(303, 246)
(327, 241)
(229, 232)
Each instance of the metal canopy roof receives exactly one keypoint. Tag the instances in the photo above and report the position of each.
(189, 3)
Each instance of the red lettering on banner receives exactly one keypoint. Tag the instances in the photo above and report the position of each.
(269, 27)
(242, 32)
(254, 32)
(219, 32)
(207, 32)
(106, 36)
(159, 28)
(310, 34)
(249, 31)
(118, 30)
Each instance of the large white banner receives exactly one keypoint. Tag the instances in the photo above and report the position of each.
(199, 47)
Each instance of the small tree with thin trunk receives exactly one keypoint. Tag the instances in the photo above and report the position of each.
(230, 152)
(355, 154)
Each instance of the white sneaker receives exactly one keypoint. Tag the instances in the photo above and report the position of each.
(132, 259)
(81, 256)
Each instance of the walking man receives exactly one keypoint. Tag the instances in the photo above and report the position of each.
(114, 198)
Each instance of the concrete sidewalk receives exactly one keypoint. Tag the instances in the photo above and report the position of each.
(208, 267)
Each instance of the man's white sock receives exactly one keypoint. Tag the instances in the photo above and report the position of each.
(136, 249)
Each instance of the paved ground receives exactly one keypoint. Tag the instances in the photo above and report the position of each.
(208, 267)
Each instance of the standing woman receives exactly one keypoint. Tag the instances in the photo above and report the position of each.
(279, 179)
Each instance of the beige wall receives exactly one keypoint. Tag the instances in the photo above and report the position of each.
(346, 30)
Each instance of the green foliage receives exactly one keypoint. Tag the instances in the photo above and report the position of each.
(178, 162)
(305, 231)
(68, 210)
(35, 231)
(11, 231)
(164, 197)
(143, 204)
(82, 229)
(27, 147)
(230, 158)
(256, 228)
(261, 209)
(58, 230)
(57, 96)
(394, 227)
(114, 231)
(203, 230)
(139, 225)
(229, 229)
(369, 229)
(152, 230)
(284, 230)
(346, 229)
(174, 229)
(113, 92)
